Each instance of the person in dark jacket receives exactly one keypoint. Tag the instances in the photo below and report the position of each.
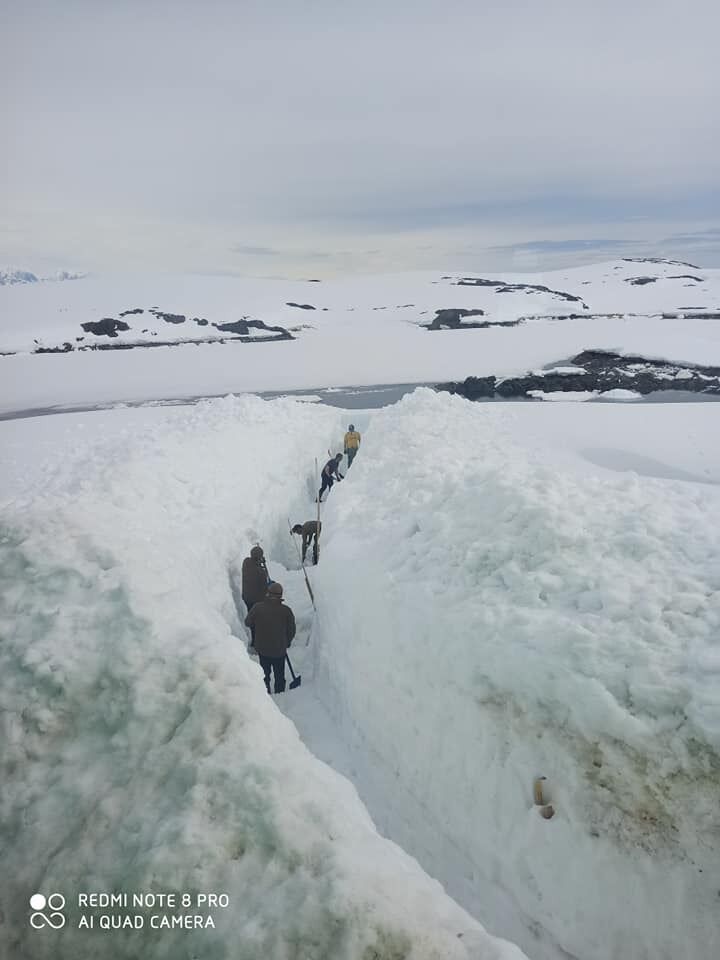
(330, 473)
(309, 531)
(274, 626)
(255, 581)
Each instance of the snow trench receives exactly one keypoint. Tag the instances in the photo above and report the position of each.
(140, 751)
(485, 619)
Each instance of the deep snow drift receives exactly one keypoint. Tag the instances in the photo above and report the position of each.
(500, 600)
(361, 330)
(140, 752)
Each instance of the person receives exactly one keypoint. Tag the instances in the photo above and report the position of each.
(330, 471)
(352, 443)
(309, 531)
(255, 581)
(274, 627)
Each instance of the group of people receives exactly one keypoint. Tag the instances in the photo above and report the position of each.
(271, 622)
(270, 619)
(331, 470)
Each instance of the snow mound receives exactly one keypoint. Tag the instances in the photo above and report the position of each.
(140, 750)
(487, 618)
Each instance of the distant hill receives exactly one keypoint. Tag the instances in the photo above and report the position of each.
(11, 275)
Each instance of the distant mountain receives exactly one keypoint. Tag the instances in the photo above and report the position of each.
(11, 275)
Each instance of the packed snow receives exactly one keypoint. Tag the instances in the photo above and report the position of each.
(141, 752)
(499, 603)
(363, 330)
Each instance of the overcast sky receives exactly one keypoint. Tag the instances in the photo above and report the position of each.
(309, 137)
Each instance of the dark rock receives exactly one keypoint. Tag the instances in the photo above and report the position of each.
(169, 317)
(452, 318)
(601, 371)
(502, 287)
(107, 327)
(127, 313)
(202, 322)
(686, 276)
(675, 263)
(640, 281)
(65, 348)
(242, 328)
(300, 306)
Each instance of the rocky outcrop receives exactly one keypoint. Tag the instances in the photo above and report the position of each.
(242, 329)
(107, 327)
(300, 306)
(169, 317)
(501, 286)
(661, 260)
(594, 370)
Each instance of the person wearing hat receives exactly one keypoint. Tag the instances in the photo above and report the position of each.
(330, 473)
(273, 624)
(309, 531)
(255, 581)
(352, 443)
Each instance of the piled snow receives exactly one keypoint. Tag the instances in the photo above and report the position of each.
(363, 330)
(487, 617)
(619, 394)
(140, 750)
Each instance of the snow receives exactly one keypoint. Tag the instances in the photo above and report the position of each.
(492, 608)
(506, 591)
(13, 275)
(563, 395)
(141, 752)
(364, 331)
(582, 395)
(619, 394)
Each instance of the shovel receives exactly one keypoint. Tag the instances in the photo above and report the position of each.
(296, 681)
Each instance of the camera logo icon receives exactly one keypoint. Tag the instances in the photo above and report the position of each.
(55, 903)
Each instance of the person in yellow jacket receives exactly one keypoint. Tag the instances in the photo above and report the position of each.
(352, 443)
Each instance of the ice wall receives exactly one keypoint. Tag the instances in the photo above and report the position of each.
(487, 617)
(140, 752)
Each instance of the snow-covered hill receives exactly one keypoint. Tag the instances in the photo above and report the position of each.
(12, 275)
(223, 334)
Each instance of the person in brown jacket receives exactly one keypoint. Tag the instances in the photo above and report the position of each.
(309, 531)
(255, 581)
(274, 629)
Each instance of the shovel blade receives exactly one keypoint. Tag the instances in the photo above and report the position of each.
(296, 682)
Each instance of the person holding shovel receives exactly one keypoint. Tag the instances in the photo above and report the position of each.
(309, 531)
(273, 626)
(330, 473)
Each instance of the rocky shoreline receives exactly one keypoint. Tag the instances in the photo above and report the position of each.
(593, 371)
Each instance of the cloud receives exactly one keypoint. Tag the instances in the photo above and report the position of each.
(699, 238)
(249, 251)
(155, 133)
(565, 246)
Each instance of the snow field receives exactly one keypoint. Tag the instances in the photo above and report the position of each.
(364, 331)
(140, 750)
(487, 617)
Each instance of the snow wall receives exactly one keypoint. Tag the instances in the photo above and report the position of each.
(140, 752)
(485, 619)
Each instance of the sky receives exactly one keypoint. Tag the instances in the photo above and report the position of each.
(309, 138)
